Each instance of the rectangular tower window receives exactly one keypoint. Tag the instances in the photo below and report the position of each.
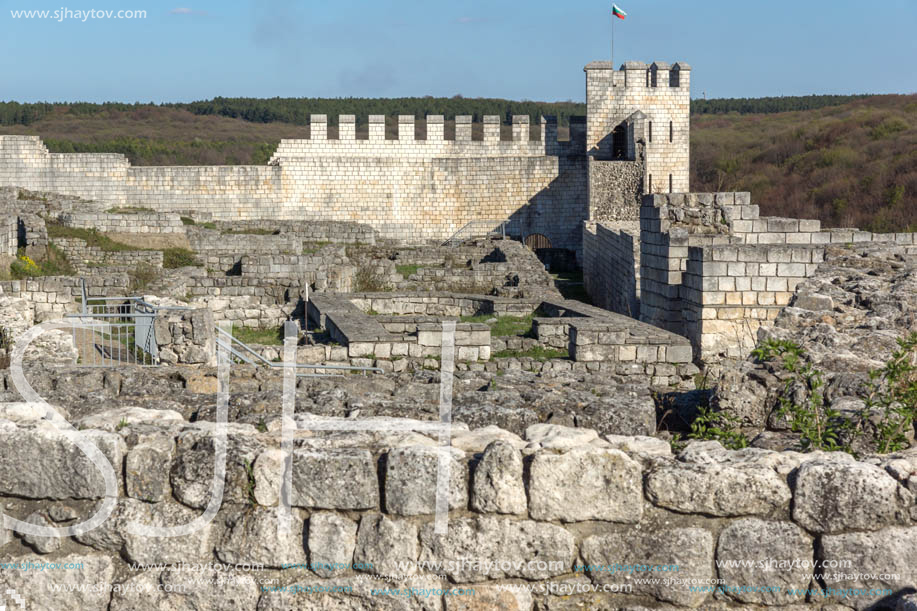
(670, 131)
(650, 190)
(651, 131)
(670, 183)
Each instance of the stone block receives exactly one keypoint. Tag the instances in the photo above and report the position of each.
(832, 497)
(753, 553)
(601, 484)
(385, 545)
(497, 485)
(718, 490)
(411, 478)
(332, 541)
(334, 479)
(480, 548)
(253, 538)
(45, 464)
(688, 549)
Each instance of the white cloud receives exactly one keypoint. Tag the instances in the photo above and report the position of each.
(183, 10)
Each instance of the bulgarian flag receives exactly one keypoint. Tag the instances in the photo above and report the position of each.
(617, 12)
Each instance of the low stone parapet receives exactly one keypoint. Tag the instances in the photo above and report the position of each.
(555, 505)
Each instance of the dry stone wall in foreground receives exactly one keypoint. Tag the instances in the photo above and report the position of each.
(525, 516)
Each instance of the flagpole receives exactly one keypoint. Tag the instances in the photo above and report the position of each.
(612, 41)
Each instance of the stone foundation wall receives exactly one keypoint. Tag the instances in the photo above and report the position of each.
(611, 268)
(339, 232)
(539, 185)
(87, 259)
(711, 268)
(185, 336)
(9, 236)
(53, 296)
(715, 514)
(142, 222)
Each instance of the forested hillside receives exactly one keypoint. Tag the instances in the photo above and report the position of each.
(848, 160)
(848, 165)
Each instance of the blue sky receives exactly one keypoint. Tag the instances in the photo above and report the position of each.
(195, 49)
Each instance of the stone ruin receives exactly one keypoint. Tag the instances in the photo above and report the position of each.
(564, 468)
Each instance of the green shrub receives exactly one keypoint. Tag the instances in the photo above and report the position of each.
(819, 427)
(717, 426)
(142, 276)
(92, 237)
(54, 263)
(892, 389)
(173, 258)
(407, 271)
(888, 127)
(366, 280)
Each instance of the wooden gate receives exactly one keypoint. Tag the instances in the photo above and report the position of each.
(537, 240)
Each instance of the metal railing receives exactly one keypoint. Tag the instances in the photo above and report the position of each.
(246, 354)
(477, 229)
(114, 331)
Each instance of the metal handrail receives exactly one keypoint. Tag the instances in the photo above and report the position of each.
(477, 223)
(250, 350)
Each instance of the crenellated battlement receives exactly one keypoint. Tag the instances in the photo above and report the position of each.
(435, 144)
(635, 74)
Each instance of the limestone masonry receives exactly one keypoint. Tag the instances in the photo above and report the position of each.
(635, 136)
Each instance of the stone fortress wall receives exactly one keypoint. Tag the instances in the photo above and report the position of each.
(412, 189)
(710, 267)
(711, 515)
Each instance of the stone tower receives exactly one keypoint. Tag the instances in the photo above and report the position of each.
(638, 114)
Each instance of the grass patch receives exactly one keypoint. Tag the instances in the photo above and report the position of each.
(407, 270)
(31, 197)
(142, 276)
(506, 325)
(92, 237)
(173, 258)
(313, 247)
(251, 232)
(187, 220)
(264, 337)
(539, 353)
(130, 210)
(54, 263)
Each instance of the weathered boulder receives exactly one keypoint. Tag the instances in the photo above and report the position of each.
(752, 553)
(42, 545)
(411, 480)
(253, 537)
(43, 462)
(389, 546)
(481, 548)
(585, 484)
(833, 497)
(718, 489)
(147, 469)
(488, 598)
(137, 546)
(332, 540)
(497, 485)
(355, 594)
(869, 561)
(691, 549)
(191, 475)
(334, 479)
(61, 589)
(176, 590)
